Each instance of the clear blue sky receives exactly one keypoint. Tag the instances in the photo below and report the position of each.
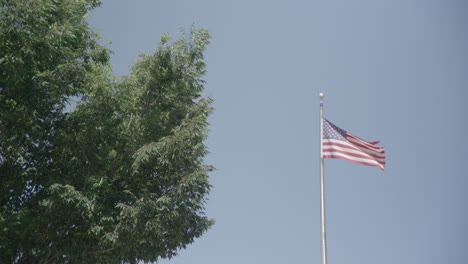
(395, 71)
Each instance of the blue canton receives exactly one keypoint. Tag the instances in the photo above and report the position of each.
(330, 131)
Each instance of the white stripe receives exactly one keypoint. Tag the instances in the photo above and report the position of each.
(356, 149)
(332, 149)
(366, 144)
(355, 158)
(371, 152)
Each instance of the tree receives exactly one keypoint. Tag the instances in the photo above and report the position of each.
(120, 176)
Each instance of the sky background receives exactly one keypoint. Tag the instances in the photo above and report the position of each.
(395, 71)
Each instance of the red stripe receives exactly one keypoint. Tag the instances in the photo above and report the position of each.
(361, 146)
(345, 144)
(367, 150)
(328, 153)
(370, 161)
(352, 146)
(363, 143)
(355, 161)
(378, 159)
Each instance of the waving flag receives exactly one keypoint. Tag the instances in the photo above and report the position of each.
(339, 144)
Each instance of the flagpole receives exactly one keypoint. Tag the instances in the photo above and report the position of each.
(322, 187)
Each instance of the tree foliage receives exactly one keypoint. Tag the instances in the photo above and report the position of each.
(121, 177)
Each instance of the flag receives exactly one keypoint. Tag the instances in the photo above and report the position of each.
(339, 144)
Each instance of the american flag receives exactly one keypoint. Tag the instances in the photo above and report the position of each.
(339, 144)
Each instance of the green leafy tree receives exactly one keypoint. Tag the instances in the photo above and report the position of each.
(119, 178)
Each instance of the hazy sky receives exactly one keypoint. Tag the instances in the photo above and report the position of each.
(395, 71)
